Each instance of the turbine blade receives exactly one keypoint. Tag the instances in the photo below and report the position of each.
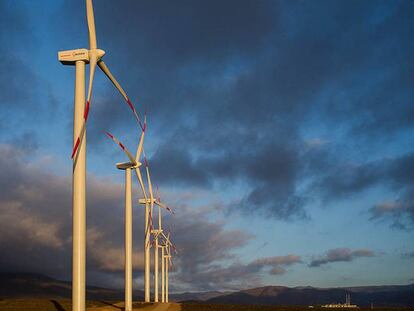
(141, 182)
(157, 193)
(159, 218)
(141, 140)
(130, 156)
(163, 236)
(169, 256)
(91, 24)
(149, 182)
(105, 69)
(162, 205)
(92, 64)
(151, 226)
(166, 238)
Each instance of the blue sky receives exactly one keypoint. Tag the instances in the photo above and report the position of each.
(280, 132)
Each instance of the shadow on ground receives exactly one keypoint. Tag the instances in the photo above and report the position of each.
(57, 305)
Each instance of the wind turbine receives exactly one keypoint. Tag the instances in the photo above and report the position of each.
(167, 262)
(79, 58)
(146, 201)
(161, 246)
(128, 166)
(151, 201)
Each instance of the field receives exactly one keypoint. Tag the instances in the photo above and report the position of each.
(65, 305)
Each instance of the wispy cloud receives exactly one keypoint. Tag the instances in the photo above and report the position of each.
(340, 255)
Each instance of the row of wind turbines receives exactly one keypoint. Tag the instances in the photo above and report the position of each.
(160, 241)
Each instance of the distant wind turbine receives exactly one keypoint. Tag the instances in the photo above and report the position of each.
(128, 166)
(156, 232)
(167, 263)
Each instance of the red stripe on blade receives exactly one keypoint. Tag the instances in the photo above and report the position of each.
(110, 135)
(86, 112)
(130, 105)
(122, 146)
(75, 148)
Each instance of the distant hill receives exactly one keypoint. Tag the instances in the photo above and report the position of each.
(29, 285)
(197, 296)
(401, 295)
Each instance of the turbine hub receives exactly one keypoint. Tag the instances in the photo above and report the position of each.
(97, 52)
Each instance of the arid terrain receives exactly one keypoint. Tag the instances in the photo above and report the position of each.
(33, 292)
(65, 305)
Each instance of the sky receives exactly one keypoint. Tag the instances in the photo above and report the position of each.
(279, 132)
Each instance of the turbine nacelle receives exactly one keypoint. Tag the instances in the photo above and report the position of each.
(70, 57)
(147, 201)
(126, 165)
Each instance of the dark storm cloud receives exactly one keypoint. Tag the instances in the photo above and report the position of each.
(341, 255)
(409, 255)
(272, 170)
(395, 173)
(231, 86)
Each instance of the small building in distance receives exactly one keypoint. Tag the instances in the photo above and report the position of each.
(347, 303)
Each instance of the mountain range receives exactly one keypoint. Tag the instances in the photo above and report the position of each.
(29, 285)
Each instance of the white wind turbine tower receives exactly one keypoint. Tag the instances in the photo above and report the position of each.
(79, 58)
(162, 272)
(127, 166)
(150, 202)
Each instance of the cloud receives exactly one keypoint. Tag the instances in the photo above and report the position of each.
(394, 173)
(277, 264)
(208, 74)
(201, 243)
(340, 255)
(238, 275)
(28, 228)
(400, 212)
(408, 255)
(36, 223)
(230, 111)
(234, 90)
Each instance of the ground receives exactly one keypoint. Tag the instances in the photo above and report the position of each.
(65, 305)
